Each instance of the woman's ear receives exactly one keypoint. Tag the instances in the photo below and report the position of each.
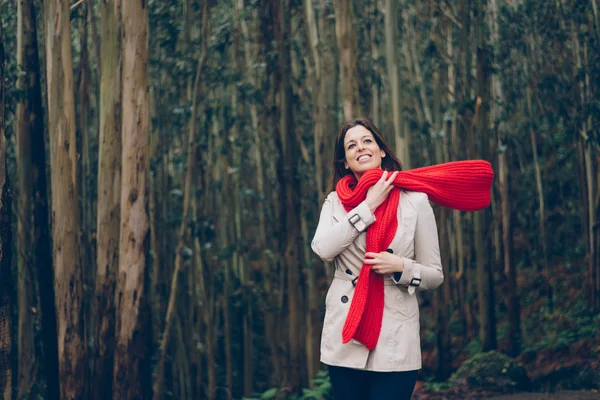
(382, 154)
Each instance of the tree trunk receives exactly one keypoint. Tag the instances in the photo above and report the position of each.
(83, 108)
(318, 93)
(348, 48)
(376, 80)
(539, 183)
(596, 18)
(29, 119)
(7, 378)
(330, 73)
(206, 303)
(402, 138)
(65, 222)
(510, 270)
(131, 376)
(485, 276)
(288, 184)
(590, 173)
(109, 195)
(30, 132)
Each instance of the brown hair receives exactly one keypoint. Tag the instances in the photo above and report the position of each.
(388, 163)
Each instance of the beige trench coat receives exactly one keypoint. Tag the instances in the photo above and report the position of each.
(338, 240)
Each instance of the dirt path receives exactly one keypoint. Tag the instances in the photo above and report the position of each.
(565, 395)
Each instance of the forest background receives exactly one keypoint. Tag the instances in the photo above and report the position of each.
(163, 165)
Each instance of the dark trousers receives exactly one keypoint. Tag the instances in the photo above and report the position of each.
(356, 384)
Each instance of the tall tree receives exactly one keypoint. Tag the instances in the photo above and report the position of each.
(485, 275)
(31, 159)
(130, 373)
(348, 51)
(6, 334)
(288, 185)
(497, 112)
(109, 194)
(65, 222)
(29, 118)
(402, 138)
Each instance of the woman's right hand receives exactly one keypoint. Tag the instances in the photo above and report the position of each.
(380, 190)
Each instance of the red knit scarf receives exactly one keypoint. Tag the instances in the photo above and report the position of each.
(461, 185)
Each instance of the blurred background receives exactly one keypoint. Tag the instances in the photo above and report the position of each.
(163, 165)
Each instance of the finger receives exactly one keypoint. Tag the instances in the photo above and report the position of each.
(391, 178)
(371, 254)
(370, 261)
(383, 176)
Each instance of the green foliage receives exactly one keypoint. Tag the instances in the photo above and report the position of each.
(558, 331)
(493, 371)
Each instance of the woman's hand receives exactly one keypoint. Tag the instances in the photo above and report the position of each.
(380, 190)
(384, 263)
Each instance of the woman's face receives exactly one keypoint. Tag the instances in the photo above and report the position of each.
(362, 151)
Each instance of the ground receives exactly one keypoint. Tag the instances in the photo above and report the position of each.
(565, 395)
(562, 395)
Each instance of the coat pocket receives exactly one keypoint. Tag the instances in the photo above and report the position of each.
(401, 304)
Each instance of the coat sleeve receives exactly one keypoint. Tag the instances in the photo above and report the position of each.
(425, 271)
(333, 236)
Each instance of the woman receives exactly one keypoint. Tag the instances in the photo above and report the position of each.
(383, 361)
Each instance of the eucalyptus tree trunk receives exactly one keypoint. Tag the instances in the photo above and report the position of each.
(596, 17)
(418, 74)
(539, 181)
(131, 338)
(83, 109)
(29, 119)
(459, 275)
(220, 179)
(322, 104)
(289, 185)
(109, 195)
(183, 247)
(318, 92)
(205, 302)
(319, 117)
(330, 74)
(591, 169)
(348, 50)
(83, 81)
(240, 266)
(402, 138)
(65, 222)
(375, 82)
(504, 152)
(485, 276)
(32, 178)
(443, 299)
(7, 377)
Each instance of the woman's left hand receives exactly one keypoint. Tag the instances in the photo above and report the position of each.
(384, 263)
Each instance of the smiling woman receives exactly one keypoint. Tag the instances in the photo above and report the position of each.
(378, 228)
(377, 360)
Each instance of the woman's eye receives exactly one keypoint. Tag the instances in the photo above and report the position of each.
(350, 146)
(368, 140)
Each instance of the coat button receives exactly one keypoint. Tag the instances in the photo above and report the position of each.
(344, 299)
(349, 272)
